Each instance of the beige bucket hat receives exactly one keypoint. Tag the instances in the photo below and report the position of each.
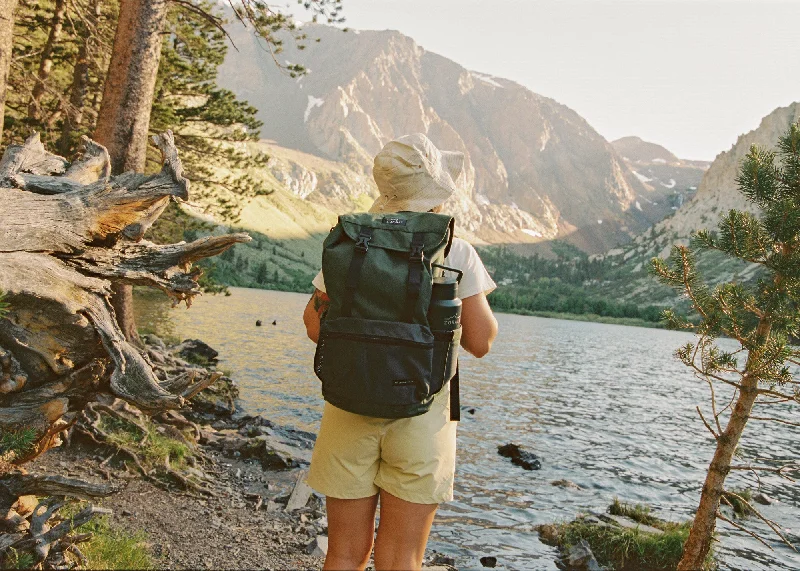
(413, 175)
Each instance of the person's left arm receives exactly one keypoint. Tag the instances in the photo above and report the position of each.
(312, 315)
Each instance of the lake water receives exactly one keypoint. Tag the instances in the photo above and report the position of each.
(607, 407)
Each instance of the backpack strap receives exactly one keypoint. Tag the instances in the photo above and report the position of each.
(450, 234)
(455, 398)
(414, 283)
(354, 271)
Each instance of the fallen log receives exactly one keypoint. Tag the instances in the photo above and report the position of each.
(67, 230)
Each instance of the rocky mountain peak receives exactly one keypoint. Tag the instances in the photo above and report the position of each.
(536, 170)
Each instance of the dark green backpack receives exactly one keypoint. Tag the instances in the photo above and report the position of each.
(376, 354)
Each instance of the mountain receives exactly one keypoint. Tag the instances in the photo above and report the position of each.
(716, 194)
(671, 181)
(536, 170)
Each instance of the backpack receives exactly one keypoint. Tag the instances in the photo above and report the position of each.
(376, 354)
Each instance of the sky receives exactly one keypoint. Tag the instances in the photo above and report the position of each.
(691, 75)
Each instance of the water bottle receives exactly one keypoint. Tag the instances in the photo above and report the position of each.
(444, 312)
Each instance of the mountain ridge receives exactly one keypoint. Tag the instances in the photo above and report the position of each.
(536, 169)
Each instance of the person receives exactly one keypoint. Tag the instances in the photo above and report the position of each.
(405, 464)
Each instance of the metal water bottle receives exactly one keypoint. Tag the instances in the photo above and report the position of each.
(444, 312)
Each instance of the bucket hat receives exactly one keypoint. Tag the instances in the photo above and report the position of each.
(413, 175)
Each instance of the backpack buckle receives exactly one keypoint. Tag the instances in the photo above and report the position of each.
(362, 242)
(416, 252)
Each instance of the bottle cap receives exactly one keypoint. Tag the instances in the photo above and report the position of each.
(444, 288)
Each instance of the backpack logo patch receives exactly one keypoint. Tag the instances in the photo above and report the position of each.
(394, 221)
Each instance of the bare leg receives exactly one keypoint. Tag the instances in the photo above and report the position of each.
(402, 533)
(351, 529)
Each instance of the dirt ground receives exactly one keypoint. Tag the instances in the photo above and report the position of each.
(222, 532)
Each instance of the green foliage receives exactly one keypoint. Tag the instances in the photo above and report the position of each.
(18, 441)
(637, 512)
(112, 548)
(15, 559)
(567, 284)
(151, 446)
(629, 549)
(762, 317)
(3, 304)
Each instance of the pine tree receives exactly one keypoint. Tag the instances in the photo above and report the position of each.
(763, 320)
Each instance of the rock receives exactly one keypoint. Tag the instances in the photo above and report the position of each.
(548, 534)
(258, 323)
(522, 458)
(489, 561)
(275, 322)
(154, 340)
(763, 499)
(300, 494)
(581, 558)
(25, 505)
(318, 547)
(196, 351)
(630, 524)
(272, 455)
(565, 484)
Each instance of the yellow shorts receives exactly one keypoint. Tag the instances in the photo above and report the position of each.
(411, 458)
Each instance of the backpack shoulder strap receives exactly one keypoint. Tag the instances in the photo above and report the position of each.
(354, 271)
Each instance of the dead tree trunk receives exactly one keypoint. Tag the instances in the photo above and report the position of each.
(46, 63)
(61, 242)
(7, 8)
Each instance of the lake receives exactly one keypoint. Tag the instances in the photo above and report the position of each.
(607, 407)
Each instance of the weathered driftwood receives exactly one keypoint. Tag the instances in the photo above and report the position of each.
(66, 230)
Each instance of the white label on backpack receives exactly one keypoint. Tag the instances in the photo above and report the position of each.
(394, 221)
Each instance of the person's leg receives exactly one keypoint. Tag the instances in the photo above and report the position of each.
(351, 529)
(402, 533)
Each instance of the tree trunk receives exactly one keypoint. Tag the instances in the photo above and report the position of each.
(7, 8)
(80, 81)
(46, 63)
(61, 246)
(698, 544)
(124, 118)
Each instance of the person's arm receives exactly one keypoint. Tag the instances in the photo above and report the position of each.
(478, 325)
(315, 309)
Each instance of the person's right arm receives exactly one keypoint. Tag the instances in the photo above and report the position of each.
(478, 325)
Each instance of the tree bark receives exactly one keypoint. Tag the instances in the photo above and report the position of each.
(46, 63)
(698, 544)
(7, 8)
(124, 118)
(60, 344)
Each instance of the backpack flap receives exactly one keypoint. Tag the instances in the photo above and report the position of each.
(386, 273)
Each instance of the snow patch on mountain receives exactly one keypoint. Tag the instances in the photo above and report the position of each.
(312, 102)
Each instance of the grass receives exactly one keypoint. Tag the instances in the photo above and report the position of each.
(629, 549)
(623, 549)
(112, 548)
(18, 560)
(18, 441)
(639, 513)
(153, 450)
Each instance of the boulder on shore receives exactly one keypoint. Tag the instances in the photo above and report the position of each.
(196, 351)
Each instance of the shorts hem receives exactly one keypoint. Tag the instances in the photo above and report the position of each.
(330, 492)
(425, 499)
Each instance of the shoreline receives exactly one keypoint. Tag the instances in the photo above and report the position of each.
(240, 502)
